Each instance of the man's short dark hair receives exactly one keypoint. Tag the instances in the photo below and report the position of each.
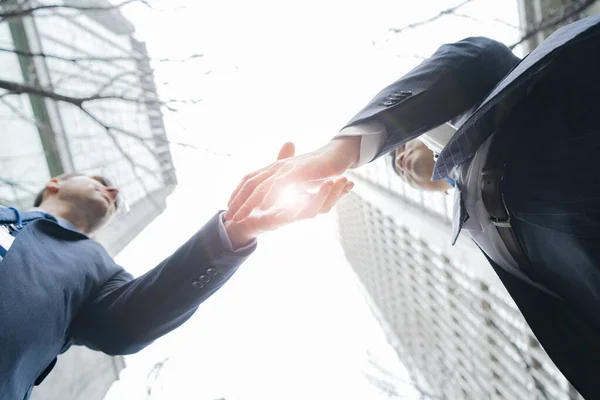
(40, 196)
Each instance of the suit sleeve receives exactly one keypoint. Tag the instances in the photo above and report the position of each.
(128, 314)
(453, 80)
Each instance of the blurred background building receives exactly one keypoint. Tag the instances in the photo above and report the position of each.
(455, 326)
(82, 52)
(539, 18)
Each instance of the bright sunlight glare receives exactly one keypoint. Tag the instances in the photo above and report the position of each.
(291, 196)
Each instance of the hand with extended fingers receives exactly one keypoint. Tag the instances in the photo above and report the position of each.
(290, 189)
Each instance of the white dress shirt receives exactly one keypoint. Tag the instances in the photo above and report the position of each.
(479, 225)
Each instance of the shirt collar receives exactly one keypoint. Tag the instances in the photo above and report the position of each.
(61, 221)
(437, 138)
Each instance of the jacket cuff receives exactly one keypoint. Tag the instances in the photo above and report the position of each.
(226, 242)
(373, 136)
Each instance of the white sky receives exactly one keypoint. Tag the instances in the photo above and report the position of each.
(292, 323)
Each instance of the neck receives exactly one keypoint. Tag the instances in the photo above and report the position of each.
(63, 210)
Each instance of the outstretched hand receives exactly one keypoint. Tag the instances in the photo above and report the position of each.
(262, 188)
(282, 190)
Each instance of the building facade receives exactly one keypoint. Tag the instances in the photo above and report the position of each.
(539, 18)
(80, 53)
(453, 323)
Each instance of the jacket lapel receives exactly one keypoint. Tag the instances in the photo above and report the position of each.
(498, 104)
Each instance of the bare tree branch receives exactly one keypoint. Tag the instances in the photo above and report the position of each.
(498, 20)
(17, 12)
(442, 13)
(153, 375)
(567, 13)
(120, 76)
(77, 60)
(20, 185)
(110, 129)
(18, 88)
(20, 114)
(134, 166)
(108, 81)
(139, 138)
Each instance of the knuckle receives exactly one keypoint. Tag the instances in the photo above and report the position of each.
(248, 187)
(244, 210)
(262, 188)
(287, 167)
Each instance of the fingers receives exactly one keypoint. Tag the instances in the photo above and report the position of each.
(270, 221)
(255, 197)
(340, 188)
(246, 179)
(276, 187)
(327, 196)
(287, 150)
(313, 207)
(248, 188)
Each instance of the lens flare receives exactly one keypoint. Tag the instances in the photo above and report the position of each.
(291, 197)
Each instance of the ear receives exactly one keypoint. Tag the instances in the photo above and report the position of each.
(52, 186)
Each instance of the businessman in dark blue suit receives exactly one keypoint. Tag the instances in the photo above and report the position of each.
(58, 287)
(524, 161)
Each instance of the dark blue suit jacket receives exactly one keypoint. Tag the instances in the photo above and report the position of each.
(59, 288)
(478, 81)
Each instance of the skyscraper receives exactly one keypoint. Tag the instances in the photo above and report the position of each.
(458, 331)
(83, 51)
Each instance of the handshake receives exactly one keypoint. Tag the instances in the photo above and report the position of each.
(293, 188)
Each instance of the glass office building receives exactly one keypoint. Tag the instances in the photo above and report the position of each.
(454, 325)
(87, 53)
(44, 137)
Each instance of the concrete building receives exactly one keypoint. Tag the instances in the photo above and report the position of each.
(550, 15)
(42, 137)
(454, 325)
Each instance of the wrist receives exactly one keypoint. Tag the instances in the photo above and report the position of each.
(346, 150)
(237, 236)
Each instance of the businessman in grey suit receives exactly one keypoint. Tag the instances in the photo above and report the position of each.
(523, 159)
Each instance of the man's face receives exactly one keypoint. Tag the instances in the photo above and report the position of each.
(414, 163)
(93, 197)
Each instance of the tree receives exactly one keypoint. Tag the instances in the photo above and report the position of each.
(552, 17)
(59, 82)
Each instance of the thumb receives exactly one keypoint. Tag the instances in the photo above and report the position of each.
(287, 150)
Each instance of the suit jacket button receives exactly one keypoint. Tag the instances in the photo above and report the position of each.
(389, 103)
(406, 93)
(198, 284)
(204, 278)
(212, 271)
